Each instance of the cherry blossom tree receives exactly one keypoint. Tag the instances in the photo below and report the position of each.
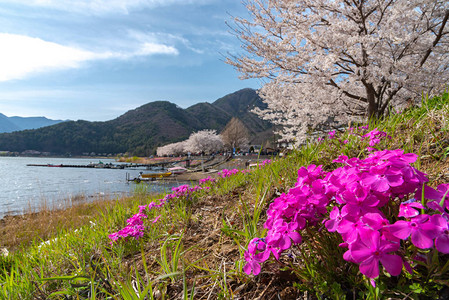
(204, 141)
(171, 149)
(332, 61)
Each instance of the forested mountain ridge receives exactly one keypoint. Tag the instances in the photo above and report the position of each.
(139, 131)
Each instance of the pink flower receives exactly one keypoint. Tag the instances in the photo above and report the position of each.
(381, 179)
(409, 210)
(283, 234)
(334, 219)
(350, 229)
(255, 255)
(227, 173)
(375, 220)
(375, 136)
(421, 230)
(136, 219)
(370, 249)
(358, 199)
(142, 208)
(442, 239)
(114, 237)
(207, 179)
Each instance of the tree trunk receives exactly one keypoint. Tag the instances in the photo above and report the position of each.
(372, 105)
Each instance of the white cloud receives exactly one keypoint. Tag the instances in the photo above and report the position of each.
(152, 48)
(22, 55)
(102, 6)
(151, 37)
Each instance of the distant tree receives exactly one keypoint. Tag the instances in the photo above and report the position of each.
(332, 61)
(204, 141)
(235, 135)
(171, 149)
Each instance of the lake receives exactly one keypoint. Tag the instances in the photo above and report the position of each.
(24, 188)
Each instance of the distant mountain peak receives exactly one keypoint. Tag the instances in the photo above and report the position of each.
(10, 124)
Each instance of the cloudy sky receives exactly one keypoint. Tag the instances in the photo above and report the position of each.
(96, 59)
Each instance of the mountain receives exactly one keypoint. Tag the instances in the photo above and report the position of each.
(140, 131)
(33, 122)
(6, 125)
(238, 104)
(10, 124)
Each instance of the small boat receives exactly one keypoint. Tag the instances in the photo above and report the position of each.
(154, 175)
(147, 176)
(177, 170)
(54, 166)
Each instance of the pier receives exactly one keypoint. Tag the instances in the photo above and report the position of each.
(105, 165)
(101, 165)
(205, 162)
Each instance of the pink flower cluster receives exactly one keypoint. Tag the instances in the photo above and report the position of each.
(349, 201)
(135, 227)
(264, 163)
(227, 173)
(375, 136)
(207, 179)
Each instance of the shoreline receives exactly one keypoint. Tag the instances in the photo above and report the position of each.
(45, 221)
(62, 203)
(20, 230)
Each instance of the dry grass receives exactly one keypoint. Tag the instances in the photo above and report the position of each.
(20, 230)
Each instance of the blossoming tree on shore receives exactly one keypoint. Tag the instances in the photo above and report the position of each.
(204, 141)
(332, 61)
(171, 149)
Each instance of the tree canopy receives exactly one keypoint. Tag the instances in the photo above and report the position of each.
(235, 134)
(206, 141)
(328, 61)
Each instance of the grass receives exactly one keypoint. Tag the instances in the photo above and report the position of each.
(195, 250)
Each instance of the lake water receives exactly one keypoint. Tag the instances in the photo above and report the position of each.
(24, 187)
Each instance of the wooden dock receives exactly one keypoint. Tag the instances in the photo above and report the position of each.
(101, 165)
(96, 166)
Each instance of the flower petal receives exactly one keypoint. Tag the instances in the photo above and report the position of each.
(370, 267)
(442, 243)
(392, 263)
(400, 229)
(421, 240)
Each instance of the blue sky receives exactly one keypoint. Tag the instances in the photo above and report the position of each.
(96, 59)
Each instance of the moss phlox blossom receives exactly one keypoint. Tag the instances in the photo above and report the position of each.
(135, 227)
(350, 201)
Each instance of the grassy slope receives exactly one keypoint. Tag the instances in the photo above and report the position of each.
(196, 248)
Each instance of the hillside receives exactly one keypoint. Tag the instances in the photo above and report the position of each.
(142, 130)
